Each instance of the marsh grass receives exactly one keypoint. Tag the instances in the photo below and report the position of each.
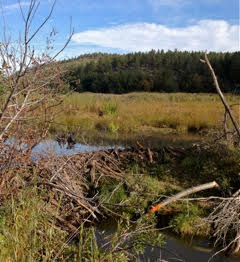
(27, 232)
(132, 112)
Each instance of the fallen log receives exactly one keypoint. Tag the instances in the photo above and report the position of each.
(179, 195)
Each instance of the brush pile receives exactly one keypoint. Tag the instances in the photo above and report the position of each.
(71, 182)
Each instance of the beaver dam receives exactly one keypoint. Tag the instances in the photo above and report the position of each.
(76, 194)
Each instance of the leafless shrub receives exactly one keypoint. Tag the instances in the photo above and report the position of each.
(30, 90)
(31, 81)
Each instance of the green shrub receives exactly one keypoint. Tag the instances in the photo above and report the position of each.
(113, 127)
(188, 222)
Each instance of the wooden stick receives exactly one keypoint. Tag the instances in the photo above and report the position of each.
(179, 195)
(150, 155)
(227, 107)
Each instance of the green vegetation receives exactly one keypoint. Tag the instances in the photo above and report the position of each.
(150, 183)
(188, 222)
(155, 71)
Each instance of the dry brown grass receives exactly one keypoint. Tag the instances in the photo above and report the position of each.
(131, 112)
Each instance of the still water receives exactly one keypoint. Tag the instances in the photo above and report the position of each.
(52, 147)
(103, 141)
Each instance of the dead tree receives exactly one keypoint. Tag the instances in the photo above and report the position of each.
(228, 110)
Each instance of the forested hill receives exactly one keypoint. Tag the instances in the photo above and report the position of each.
(157, 71)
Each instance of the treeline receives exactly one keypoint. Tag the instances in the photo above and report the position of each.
(157, 71)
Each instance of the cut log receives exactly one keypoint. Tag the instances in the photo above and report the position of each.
(150, 155)
(93, 172)
(179, 195)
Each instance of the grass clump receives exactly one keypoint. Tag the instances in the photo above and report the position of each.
(113, 192)
(110, 108)
(27, 232)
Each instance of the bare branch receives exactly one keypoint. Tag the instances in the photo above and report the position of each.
(43, 23)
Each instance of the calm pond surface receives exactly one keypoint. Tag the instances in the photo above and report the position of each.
(103, 141)
(52, 147)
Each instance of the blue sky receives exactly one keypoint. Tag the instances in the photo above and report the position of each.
(136, 25)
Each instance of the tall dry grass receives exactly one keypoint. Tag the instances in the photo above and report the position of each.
(183, 112)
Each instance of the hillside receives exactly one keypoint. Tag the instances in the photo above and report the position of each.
(155, 71)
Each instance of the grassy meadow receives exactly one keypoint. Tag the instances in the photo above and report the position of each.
(140, 112)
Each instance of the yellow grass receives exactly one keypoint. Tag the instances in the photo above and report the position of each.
(135, 111)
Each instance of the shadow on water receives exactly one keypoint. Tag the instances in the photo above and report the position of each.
(152, 139)
(174, 250)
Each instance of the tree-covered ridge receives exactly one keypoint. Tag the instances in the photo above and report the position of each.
(157, 71)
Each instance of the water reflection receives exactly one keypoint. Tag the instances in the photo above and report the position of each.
(52, 147)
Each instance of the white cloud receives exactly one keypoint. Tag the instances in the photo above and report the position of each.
(16, 5)
(211, 35)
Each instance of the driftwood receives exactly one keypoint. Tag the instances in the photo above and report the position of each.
(227, 107)
(184, 193)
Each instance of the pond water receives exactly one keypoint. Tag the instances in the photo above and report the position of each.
(52, 147)
(152, 139)
(174, 250)
(102, 141)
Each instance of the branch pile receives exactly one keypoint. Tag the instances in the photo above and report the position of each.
(226, 221)
(72, 182)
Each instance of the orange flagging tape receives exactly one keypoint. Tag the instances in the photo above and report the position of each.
(154, 209)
